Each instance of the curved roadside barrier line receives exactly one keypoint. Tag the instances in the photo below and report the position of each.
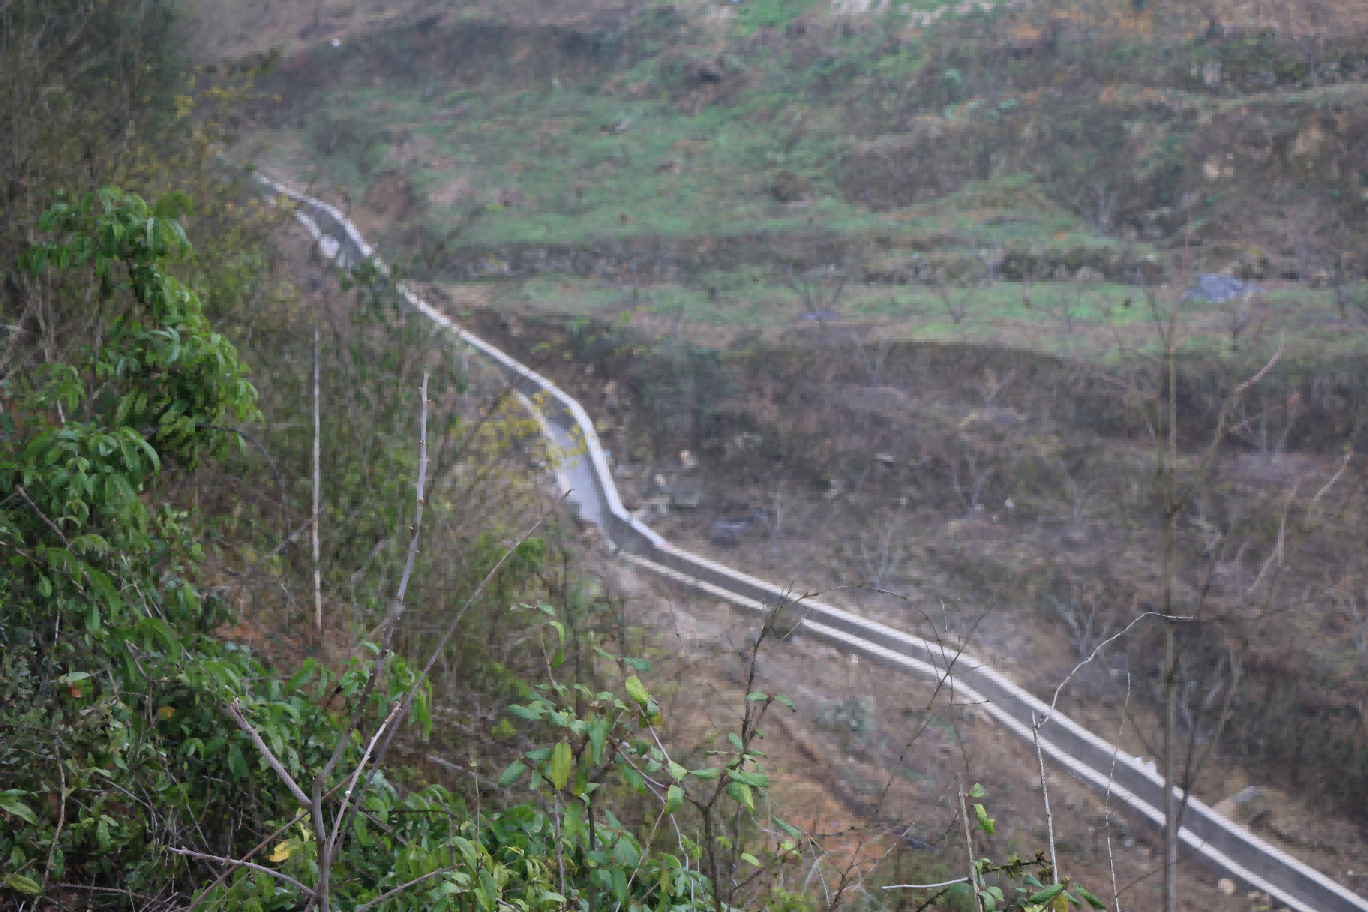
(1219, 844)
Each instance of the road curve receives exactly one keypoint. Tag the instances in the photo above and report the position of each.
(1216, 842)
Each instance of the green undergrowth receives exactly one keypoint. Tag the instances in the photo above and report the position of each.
(572, 166)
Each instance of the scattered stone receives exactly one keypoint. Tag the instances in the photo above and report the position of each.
(328, 247)
(1226, 886)
(1247, 806)
(688, 460)
(686, 494)
(728, 532)
(884, 458)
(656, 506)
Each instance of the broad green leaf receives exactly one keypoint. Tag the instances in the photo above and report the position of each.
(674, 798)
(1044, 896)
(598, 739)
(750, 859)
(22, 884)
(10, 803)
(753, 778)
(986, 823)
(1091, 900)
(512, 774)
(706, 773)
(677, 771)
(562, 762)
(784, 698)
(637, 691)
(976, 791)
(757, 697)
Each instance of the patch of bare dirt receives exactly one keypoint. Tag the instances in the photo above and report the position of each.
(867, 763)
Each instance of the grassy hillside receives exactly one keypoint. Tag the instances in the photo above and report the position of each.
(993, 176)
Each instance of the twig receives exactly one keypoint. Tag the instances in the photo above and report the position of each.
(1103, 645)
(259, 846)
(404, 886)
(234, 709)
(360, 767)
(1266, 368)
(61, 818)
(486, 781)
(1336, 477)
(51, 525)
(936, 886)
(1111, 774)
(242, 864)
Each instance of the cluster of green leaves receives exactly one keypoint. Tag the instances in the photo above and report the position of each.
(1030, 884)
(117, 753)
(606, 741)
(110, 730)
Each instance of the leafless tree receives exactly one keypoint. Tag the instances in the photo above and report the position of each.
(1198, 677)
(1270, 424)
(969, 484)
(772, 511)
(819, 289)
(1086, 613)
(1353, 604)
(956, 306)
(882, 550)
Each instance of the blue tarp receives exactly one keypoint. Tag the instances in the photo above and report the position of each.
(1219, 289)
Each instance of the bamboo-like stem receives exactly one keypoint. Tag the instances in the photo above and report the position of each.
(969, 844)
(321, 834)
(234, 709)
(1045, 796)
(317, 490)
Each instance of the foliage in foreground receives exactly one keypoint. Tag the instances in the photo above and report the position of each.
(122, 776)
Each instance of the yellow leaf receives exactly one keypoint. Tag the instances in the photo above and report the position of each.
(283, 851)
(166, 712)
(1061, 903)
